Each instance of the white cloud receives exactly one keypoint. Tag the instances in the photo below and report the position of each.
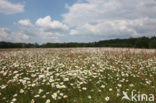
(47, 23)
(74, 32)
(8, 35)
(25, 22)
(44, 29)
(113, 27)
(7, 7)
(18, 37)
(25, 36)
(3, 34)
(112, 18)
(42, 36)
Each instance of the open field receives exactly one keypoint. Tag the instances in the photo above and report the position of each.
(76, 75)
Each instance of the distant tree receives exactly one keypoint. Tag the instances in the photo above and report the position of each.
(152, 44)
(153, 38)
(142, 42)
(36, 45)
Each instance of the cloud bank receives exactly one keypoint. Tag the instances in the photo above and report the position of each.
(112, 18)
(43, 30)
(8, 35)
(7, 7)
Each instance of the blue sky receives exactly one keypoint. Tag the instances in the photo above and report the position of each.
(34, 9)
(75, 20)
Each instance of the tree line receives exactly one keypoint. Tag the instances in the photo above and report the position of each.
(141, 42)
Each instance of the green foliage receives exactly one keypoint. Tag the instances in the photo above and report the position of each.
(142, 42)
(18, 45)
(152, 44)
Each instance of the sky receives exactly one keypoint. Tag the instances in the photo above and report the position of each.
(45, 21)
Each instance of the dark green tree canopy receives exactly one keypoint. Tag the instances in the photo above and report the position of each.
(142, 42)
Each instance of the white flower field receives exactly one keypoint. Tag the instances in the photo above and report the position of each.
(75, 75)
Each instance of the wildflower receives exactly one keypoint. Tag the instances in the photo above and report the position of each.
(15, 72)
(58, 91)
(40, 91)
(66, 79)
(131, 85)
(41, 76)
(37, 96)
(51, 80)
(118, 90)
(61, 83)
(148, 82)
(119, 85)
(33, 85)
(61, 94)
(59, 97)
(118, 94)
(102, 86)
(52, 85)
(71, 84)
(63, 86)
(65, 96)
(54, 96)
(107, 98)
(84, 88)
(15, 95)
(110, 89)
(89, 97)
(3, 86)
(32, 101)
(14, 100)
(58, 86)
(99, 90)
(44, 96)
(47, 101)
(47, 92)
(21, 91)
